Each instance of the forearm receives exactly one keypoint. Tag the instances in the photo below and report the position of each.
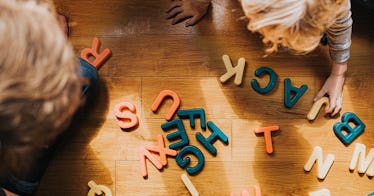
(339, 69)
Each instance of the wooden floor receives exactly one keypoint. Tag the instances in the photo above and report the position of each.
(151, 55)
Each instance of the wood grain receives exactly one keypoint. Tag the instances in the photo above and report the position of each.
(151, 55)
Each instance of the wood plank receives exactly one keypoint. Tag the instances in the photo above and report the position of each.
(222, 178)
(70, 177)
(151, 55)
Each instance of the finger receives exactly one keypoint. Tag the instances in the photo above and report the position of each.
(336, 110)
(193, 20)
(338, 106)
(180, 17)
(174, 12)
(174, 5)
(319, 95)
(332, 105)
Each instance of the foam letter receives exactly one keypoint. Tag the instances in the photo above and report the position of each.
(98, 189)
(288, 88)
(267, 135)
(321, 192)
(231, 71)
(127, 119)
(191, 114)
(163, 94)
(144, 154)
(217, 134)
(359, 155)
(184, 162)
(323, 167)
(94, 51)
(191, 188)
(162, 150)
(316, 107)
(272, 80)
(180, 134)
(352, 133)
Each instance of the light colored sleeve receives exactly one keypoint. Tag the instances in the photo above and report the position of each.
(339, 38)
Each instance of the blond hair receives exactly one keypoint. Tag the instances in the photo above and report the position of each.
(297, 25)
(39, 84)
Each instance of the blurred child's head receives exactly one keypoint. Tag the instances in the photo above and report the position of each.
(294, 24)
(39, 82)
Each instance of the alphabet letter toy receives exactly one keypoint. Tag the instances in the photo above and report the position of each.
(180, 134)
(191, 188)
(160, 98)
(191, 114)
(352, 132)
(127, 119)
(161, 150)
(231, 71)
(94, 52)
(208, 142)
(323, 167)
(288, 88)
(321, 192)
(366, 163)
(184, 162)
(316, 107)
(272, 81)
(98, 189)
(267, 135)
(143, 155)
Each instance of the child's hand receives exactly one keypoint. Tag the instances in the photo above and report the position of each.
(190, 10)
(333, 87)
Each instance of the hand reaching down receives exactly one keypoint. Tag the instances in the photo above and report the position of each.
(333, 87)
(190, 10)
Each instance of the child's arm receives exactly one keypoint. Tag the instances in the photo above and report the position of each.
(190, 10)
(339, 41)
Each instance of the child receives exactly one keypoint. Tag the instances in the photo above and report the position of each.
(297, 25)
(40, 90)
